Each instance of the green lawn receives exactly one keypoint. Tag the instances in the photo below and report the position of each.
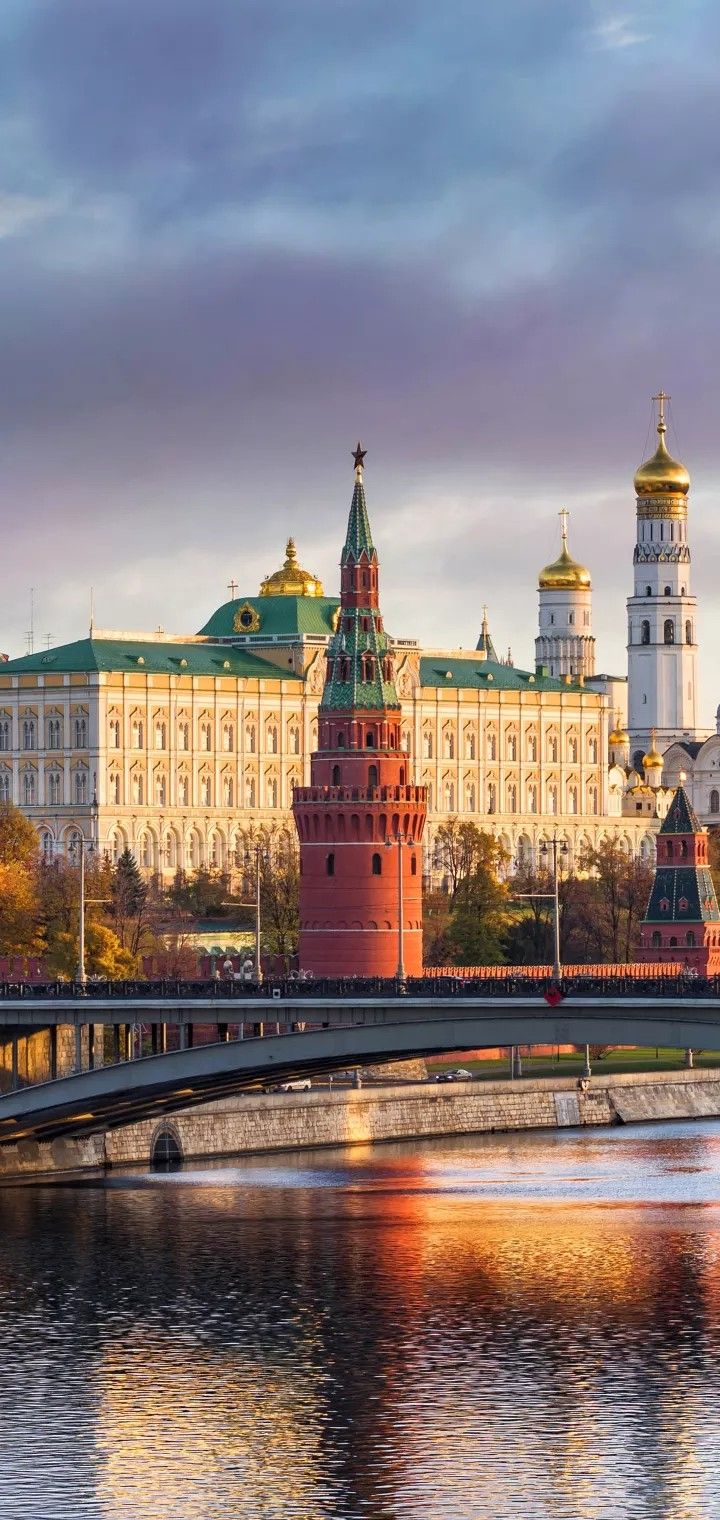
(573, 1065)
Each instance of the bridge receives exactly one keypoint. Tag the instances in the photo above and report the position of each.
(301, 1035)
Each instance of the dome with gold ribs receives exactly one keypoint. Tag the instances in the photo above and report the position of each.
(619, 735)
(565, 573)
(662, 475)
(291, 579)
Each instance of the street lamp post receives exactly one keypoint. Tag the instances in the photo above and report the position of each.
(399, 840)
(556, 845)
(258, 857)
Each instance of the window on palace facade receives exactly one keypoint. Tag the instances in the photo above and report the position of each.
(532, 747)
(511, 746)
(114, 733)
(138, 734)
(272, 792)
(80, 733)
(183, 736)
(294, 740)
(592, 750)
(250, 792)
(427, 745)
(160, 791)
(80, 787)
(593, 798)
(29, 788)
(4, 733)
(53, 733)
(205, 736)
(160, 736)
(469, 745)
(46, 844)
(715, 802)
(272, 740)
(205, 791)
(250, 739)
(228, 738)
(491, 797)
(448, 744)
(115, 789)
(184, 791)
(138, 790)
(470, 798)
(572, 799)
(553, 799)
(4, 786)
(532, 799)
(228, 792)
(449, 797)
(492, 746)
(54, 788)
(29, 733)
(512, 799)
(572, 750)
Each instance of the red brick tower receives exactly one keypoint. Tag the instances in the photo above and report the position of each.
(361, 820)
(682, 922)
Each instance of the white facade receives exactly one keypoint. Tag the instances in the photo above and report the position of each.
(662, 612)
(565, 645)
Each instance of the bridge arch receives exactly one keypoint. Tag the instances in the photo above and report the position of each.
(166, 1151)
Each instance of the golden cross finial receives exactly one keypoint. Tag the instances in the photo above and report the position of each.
(484, 618)
(661, 398)
(232, 588)
(563, 514)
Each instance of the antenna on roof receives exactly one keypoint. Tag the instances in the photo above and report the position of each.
(30, 635)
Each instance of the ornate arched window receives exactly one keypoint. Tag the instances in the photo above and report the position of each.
(54, 788)
(714, 801)
(668, 631)
(645, 631)
(80, 733)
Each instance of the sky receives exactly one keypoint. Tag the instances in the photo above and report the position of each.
(238, 235)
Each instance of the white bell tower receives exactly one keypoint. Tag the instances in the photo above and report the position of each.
(662, 647)
(565, 643)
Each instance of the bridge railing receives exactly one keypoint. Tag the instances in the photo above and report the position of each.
(240, 990)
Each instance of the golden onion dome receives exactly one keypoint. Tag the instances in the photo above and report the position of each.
(564, 574)
(619, 735)
(291, 579)
(662, 475)
(653, 759)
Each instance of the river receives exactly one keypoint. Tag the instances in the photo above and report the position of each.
(493, 1328)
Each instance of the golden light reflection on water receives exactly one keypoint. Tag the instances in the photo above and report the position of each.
(497, 1331)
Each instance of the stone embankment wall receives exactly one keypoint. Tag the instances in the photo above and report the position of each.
(261, 1123)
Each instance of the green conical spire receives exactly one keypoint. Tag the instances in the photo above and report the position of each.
(358, 539)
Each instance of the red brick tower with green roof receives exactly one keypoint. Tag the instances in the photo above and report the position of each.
(361, 820)
(682, 922)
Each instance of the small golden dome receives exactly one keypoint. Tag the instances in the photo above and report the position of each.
(619, 736)
(564, 574)
(662, 475)
(291, 580)
(653, 759)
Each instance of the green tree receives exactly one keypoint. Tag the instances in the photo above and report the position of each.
(480, 911)
(129, 900)
(619, 886)
(19, 910)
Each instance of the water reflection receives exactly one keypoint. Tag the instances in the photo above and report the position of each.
(500, 1328)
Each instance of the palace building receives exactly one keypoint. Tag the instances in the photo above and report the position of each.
(175, 746)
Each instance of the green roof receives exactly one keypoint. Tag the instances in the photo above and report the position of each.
(118, 655)
(280, 616)
(358, 539)
(488, 675)
(681, 817)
